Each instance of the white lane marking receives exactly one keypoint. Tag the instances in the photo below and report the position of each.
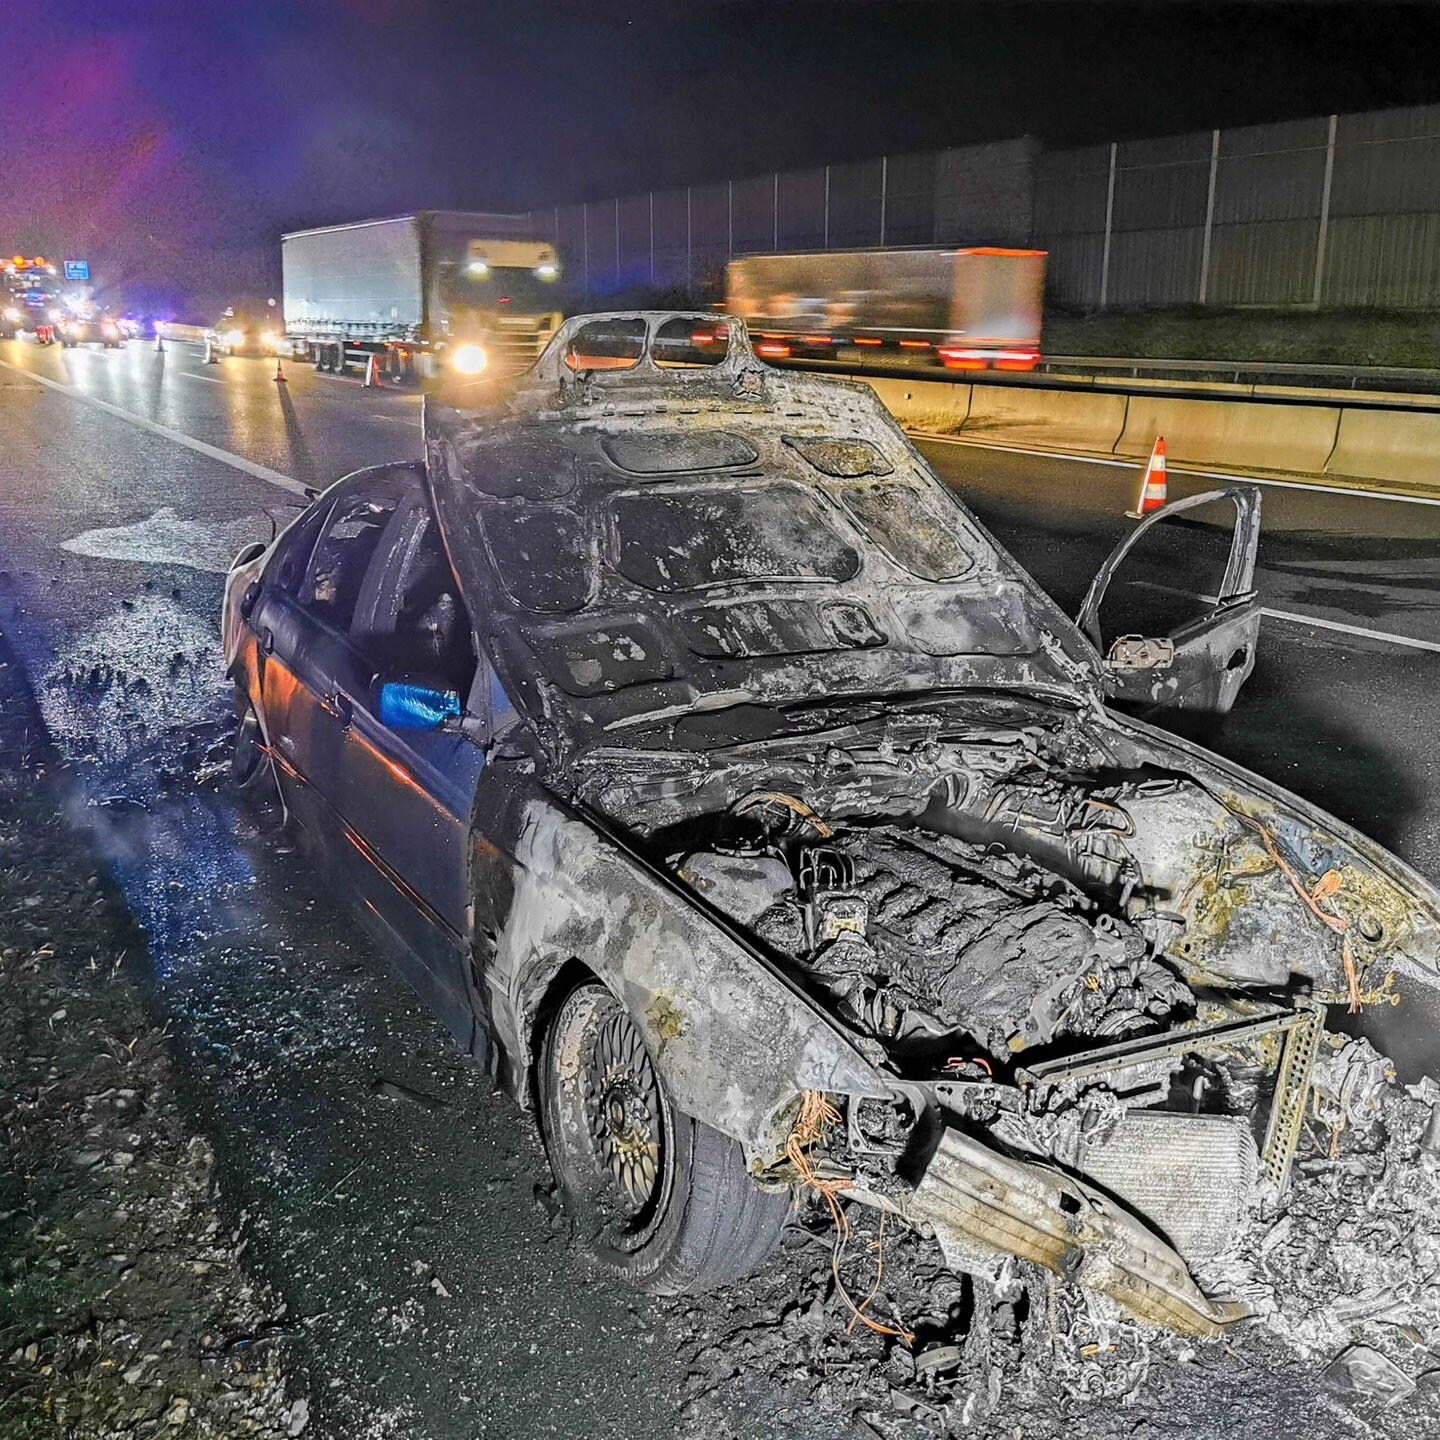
(212, 452)
(1363, 631)
(1135, 465)
(208, 379)
(1296, 617)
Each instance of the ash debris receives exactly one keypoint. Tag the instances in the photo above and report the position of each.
(127, 1307)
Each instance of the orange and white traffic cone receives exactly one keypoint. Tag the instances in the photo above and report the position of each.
(279, 373)
(1152, 483)
(372, 373)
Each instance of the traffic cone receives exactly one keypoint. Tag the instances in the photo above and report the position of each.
(1152, 483)
(211, 358)
(279, 373)
(159, 343)
(372, 373)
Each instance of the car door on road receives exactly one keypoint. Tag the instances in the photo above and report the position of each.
(1173, 611)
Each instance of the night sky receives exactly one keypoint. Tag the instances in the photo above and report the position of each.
(170, 141)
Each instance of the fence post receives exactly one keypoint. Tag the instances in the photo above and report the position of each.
(1324, 214)
(884, 185)
(1209, 216)
(1109, 216)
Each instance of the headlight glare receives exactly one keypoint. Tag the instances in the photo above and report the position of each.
(469, 359)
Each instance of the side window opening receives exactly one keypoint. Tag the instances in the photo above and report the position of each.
(432, 629)
(295, 548)
(344, 552)
(417, 625)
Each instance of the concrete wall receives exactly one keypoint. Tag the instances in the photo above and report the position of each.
(1368, 447)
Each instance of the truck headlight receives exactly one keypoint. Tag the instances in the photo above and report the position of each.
(234, 338)
(269, 339)
(469, 359)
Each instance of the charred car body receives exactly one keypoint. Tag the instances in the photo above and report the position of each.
(763, 823)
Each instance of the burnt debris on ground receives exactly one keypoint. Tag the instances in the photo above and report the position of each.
(127, 1306)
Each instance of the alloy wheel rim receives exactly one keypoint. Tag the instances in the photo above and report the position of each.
(623, 1113)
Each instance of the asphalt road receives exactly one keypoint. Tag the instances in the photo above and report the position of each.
(125, 485)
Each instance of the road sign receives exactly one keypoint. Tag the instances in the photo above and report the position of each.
(77, 269)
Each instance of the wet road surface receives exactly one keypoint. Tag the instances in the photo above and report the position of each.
(369, 1159)
(388, 1194)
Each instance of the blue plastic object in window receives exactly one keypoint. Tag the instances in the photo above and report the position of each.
(406, 706)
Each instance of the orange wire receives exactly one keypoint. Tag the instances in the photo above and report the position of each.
(1324, 888)
(816, 1112)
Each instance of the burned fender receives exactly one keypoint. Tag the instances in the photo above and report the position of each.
(1269, 887)
(733, 1038)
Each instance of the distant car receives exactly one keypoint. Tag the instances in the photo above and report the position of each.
(91, 330)
(721, 782)
(237, 333)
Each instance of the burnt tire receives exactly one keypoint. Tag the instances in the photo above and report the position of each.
(250, 770)
(656, 1197)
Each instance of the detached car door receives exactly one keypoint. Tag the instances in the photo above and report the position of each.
(1173, 611)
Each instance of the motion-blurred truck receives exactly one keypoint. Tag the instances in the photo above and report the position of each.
(29, 295)
(973, 309)
(437, 292)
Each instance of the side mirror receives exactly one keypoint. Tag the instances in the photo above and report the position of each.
(409, 705)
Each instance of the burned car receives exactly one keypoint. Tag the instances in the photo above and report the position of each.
(733, 794)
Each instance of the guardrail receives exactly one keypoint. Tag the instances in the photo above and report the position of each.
(1267, 383)
(1349, 377)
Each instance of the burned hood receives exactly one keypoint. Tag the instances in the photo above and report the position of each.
(642, 546)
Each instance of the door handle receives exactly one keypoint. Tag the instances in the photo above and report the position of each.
(339, 706)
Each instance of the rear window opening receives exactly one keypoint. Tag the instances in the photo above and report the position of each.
(614, 344)
(686, 343)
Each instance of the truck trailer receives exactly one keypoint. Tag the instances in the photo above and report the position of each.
(436, 292)
(966, 309)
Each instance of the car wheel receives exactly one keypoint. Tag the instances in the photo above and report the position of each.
(249, 762)
(657, 1198)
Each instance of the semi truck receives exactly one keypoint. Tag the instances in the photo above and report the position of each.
(965, 309)
(431, 293)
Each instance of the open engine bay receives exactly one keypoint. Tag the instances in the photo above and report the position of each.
(1102, 994)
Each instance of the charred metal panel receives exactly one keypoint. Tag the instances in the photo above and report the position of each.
(733, 1041)
(975, 1197)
